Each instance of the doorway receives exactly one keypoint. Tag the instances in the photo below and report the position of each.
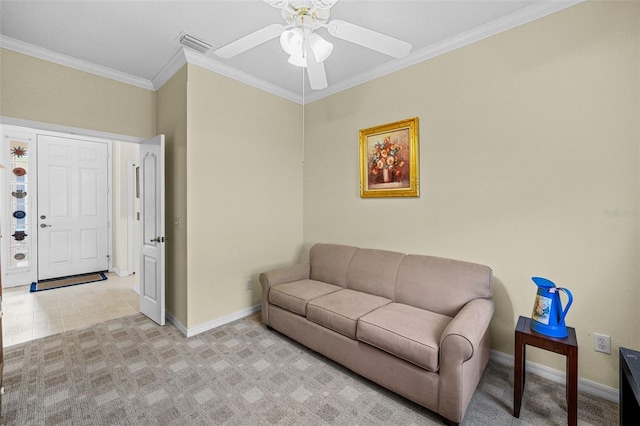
(121, 207)
(20, 212)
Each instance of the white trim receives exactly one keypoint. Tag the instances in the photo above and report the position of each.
(109, 204)
(584, 385)
(131, 216)
(69, 61)
(169, 69)
(538, 10)
(173, 320)
(227, 71)
(120, 272)
(513, 20)
(67, 130)
(184, 56)
(190, 332)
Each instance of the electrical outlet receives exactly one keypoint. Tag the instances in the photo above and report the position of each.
(602, 343)
(248, 285)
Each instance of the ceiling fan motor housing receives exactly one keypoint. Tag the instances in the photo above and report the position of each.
(307, 17)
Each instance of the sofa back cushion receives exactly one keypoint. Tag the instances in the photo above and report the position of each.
(329, 263)
(374, 272)
(441, 285)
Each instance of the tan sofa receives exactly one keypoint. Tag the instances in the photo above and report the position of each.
(417, 325)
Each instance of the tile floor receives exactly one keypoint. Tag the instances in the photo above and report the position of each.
(28, 316)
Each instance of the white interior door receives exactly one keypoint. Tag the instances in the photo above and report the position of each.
(73, 221)
(152, 264)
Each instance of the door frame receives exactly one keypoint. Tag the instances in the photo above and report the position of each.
(31, 129)
(131, 218)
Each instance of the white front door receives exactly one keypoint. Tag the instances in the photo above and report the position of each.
(72, 220)
(152, 265)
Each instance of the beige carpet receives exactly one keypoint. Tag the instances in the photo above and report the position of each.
(130, 371)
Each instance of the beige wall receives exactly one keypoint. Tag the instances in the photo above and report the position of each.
(244, 191)
(246, 140)
(172, 122)
(529, 163)
(38, 90)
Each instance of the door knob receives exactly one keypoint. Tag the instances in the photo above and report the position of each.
(44, 225)
(155, 240)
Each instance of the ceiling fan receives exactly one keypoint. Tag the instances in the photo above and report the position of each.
(305, 47)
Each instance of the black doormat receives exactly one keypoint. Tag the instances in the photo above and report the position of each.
(67, 281)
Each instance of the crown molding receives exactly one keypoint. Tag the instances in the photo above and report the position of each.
(183, 56)
(69, 61)
(497, 26)
(61, 128)
(227, 71)
(176, 62)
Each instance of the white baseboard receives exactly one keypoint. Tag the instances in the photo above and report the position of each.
(175, 322)
(190, 332)
(136, 288)
(120, 273)
(584, 385)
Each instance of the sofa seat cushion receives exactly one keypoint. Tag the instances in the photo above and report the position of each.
(295, 295)
(407, 332)
(339, 311)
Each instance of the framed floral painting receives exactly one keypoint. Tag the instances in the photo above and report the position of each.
(389, 160)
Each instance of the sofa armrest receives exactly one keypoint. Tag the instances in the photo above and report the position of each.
(283, 275)
(286, 274)
(465, 347)
(466, 329)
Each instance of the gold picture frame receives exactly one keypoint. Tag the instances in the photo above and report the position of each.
(389, 160)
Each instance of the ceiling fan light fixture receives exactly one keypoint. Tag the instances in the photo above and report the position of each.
(321, 48)
(292, 41)
(298, 61)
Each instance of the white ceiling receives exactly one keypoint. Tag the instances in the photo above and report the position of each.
(137, 41)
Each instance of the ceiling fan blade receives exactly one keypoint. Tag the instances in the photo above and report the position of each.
(369, 38)
(315, 72)
(249, 41)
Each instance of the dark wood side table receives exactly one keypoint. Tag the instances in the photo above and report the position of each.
(567, 346)
(629, 386)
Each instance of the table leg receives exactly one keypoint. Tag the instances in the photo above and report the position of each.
(572, 385)
(518, 379)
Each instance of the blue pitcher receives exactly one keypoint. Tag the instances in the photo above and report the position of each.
(548, 316)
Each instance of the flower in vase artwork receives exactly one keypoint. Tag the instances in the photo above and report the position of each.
(388, 158)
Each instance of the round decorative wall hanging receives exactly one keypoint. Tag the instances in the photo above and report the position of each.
(19, 235)
(19, 214)
(19, 193)
(19, 151)
(19, 171)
